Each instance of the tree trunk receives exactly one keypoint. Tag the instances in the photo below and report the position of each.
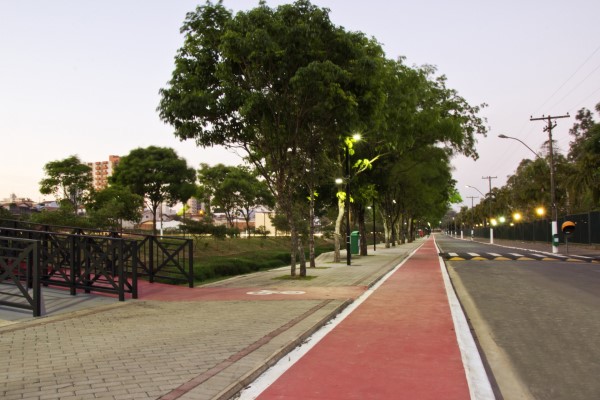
(302, 257)
(402, 225)
(294, 244)
(362, 228)
(154, 207)
(311, 233)
(338, 225)
(386, 231)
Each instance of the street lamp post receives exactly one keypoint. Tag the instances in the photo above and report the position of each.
(347, 205)
(355, 137)
(490, 212)
(552, 186)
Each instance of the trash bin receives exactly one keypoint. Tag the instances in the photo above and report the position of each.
(355, 242)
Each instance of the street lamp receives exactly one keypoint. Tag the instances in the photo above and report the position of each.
(552, 189)
(490, 212)
(347, 142)
(502, 136)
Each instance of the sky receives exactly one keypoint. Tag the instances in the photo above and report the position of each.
(81, 77)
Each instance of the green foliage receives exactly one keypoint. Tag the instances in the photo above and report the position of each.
(114, 204)
(68, 180)
(234, 190)
(64, 216)
(5, 214)
(577, 179)
(288, 87)
(283, 84)
(254, 260)
(157, 174)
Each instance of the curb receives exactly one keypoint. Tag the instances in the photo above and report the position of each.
(233, 389)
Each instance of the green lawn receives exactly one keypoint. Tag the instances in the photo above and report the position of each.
(218, 258)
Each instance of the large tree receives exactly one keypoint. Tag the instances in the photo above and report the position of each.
(419, 116)
(111, 206)
(157, 174)
(282, 84)
(584, 154)
(69, 180)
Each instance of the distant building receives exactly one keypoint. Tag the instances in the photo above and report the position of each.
(262, 217)
(18, 205)
(101, 170)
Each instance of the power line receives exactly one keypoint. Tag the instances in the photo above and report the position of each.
(568, 79)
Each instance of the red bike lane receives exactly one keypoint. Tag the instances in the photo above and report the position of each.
(399, 343)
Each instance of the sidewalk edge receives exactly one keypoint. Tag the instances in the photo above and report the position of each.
(480, 387)
(233, 389)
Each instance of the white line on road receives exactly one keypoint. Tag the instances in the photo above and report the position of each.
(272, 374)
(479, 384)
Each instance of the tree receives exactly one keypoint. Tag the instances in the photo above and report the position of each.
(113, 205)
(249, 192)
(279, 83)
(210, 178)
(69, 180)
(158, 175)
(584, 154)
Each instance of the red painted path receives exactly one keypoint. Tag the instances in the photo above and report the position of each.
(399, 344)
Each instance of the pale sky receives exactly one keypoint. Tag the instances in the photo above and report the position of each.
(82, 77)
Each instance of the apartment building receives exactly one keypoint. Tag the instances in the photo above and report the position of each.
(101, 170)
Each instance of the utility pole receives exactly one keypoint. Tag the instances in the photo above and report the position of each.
(472, 219)
(550, 125)
(489, 178)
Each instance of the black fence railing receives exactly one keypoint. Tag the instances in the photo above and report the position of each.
(20, 274)
(81, 262)
(166, 259)
(587, 230)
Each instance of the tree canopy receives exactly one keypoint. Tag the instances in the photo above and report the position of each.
(69, 180)
(157, 174)
(289, 88)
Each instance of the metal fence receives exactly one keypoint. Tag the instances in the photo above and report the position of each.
(166, 259)
(587, 230)
(20, 274)
(81, 262)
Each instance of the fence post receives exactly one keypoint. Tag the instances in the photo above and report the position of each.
(191, 262)
(121, 271)
(134, 269)
(74, 261)
(37, 291)
(151, 259)
(589, 217)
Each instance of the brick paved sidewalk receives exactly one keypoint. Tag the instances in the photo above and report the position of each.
(201, 343)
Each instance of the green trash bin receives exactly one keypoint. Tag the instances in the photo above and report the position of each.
(355, 242)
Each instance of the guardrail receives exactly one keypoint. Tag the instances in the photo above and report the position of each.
(20, 274)
(166, 258)
(89, 263)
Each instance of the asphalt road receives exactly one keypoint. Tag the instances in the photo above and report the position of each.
(536, 318)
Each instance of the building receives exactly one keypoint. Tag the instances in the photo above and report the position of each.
(262, 218)
(101, 170)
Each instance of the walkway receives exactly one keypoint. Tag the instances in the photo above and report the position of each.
(400, 343)
(175, 342)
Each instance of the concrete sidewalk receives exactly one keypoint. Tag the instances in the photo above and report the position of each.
(174, 342)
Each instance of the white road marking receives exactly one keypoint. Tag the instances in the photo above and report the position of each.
(261, 384)
(479, 384)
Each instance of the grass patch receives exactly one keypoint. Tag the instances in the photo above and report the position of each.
(218, 259)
